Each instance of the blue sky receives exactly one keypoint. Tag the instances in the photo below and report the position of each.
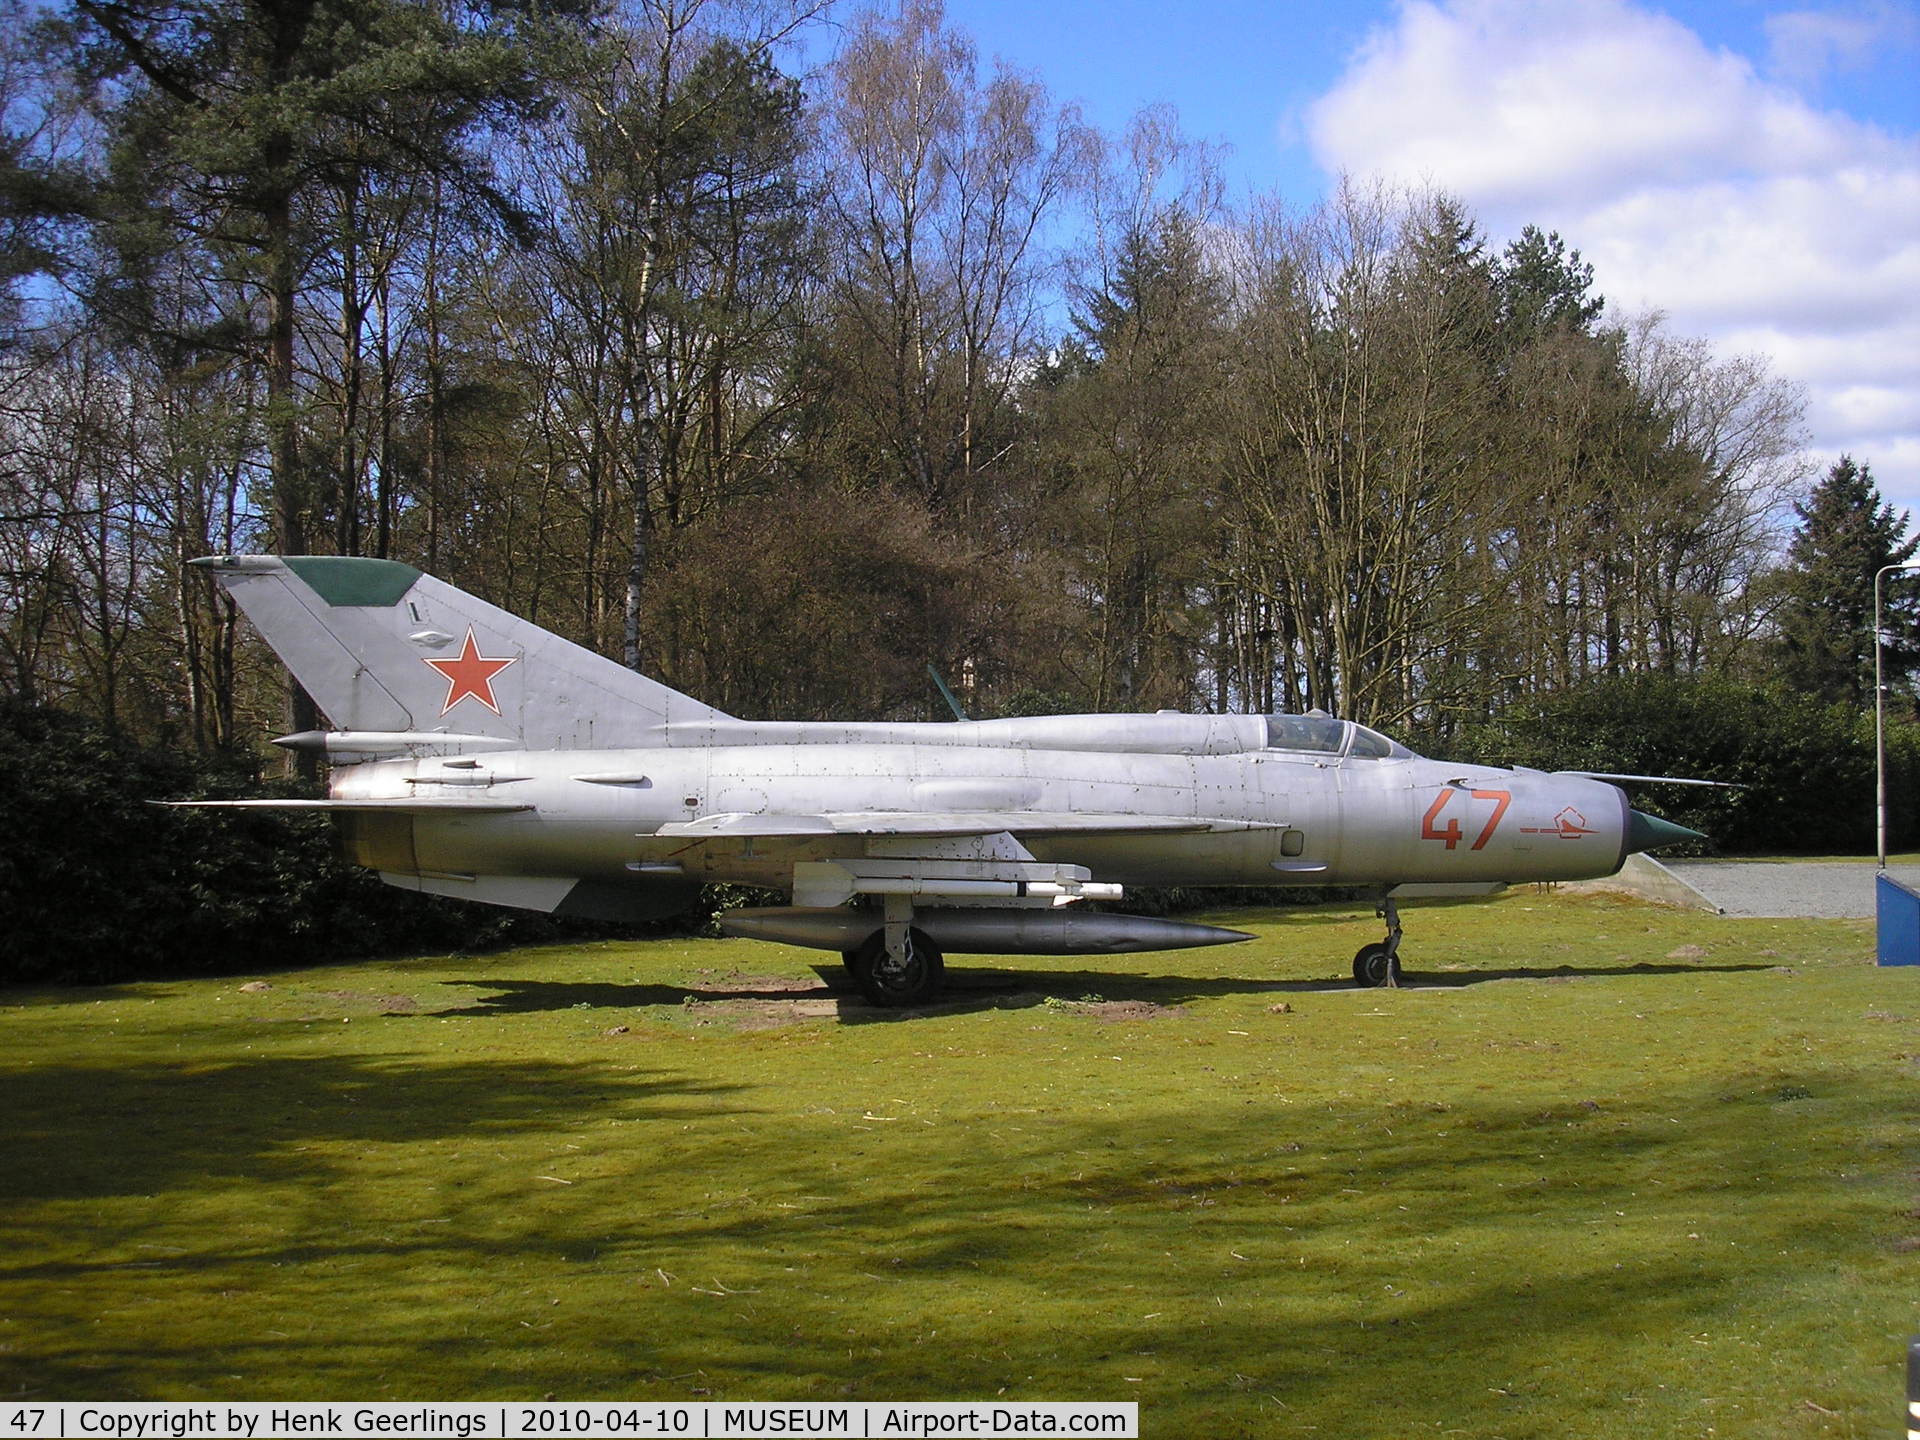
(1246, 71)
(1750, 170)
(1238, 71)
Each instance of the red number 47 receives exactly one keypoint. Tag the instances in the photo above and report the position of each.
(1431, 829)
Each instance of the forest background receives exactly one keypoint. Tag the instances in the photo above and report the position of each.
(783, 388)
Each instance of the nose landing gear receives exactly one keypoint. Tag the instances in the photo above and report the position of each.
(1378, 964)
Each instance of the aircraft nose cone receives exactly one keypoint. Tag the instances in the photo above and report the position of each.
(1650, 832)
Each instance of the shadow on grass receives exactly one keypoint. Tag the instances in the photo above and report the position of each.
(1172, 989)
(978, 988)
(37, 997)
(971, 988)
(533, 997)
(1288, 1238)
(76, 1131)
(1377, 1260)
(1456, 979)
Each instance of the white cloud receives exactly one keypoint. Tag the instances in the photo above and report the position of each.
(1804, 47)
(1695, 185)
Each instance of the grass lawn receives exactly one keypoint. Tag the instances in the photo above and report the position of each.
(1601, 1170)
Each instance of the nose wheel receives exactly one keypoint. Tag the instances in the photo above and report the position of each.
(1378, 964)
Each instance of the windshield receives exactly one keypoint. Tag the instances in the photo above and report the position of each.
(1324, 735)
(1370, 745)
(1319, 734)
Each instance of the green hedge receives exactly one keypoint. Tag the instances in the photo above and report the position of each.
(98, 883)
(1805, 769)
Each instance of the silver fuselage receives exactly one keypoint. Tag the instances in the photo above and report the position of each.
(1261, 815)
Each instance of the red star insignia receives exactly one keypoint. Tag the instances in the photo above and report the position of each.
(470, 674)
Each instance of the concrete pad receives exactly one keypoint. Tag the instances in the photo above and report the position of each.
(1647, 878)
(1828, 890)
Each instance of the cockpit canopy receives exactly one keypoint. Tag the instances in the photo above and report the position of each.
(1324, 735)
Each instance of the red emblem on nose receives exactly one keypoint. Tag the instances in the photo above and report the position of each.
(471, 673)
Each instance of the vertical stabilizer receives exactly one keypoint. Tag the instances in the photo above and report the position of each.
(382, 647)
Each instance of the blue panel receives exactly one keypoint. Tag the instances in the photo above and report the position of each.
(1898, 909)
(1913, 1385)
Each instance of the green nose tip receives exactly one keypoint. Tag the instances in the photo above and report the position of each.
(1650, 832)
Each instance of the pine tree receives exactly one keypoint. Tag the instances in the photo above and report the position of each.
(226, 122)
(1544, 286)
(1846, 535)
(225, 119)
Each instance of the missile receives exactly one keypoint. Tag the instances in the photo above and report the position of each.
(980, 931)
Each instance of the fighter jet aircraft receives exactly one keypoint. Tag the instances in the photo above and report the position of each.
(479, 756)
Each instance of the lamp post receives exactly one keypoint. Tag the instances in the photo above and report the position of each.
(1880, 711)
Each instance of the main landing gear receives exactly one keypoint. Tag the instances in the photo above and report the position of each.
(1378, 964)
(897, 964)
(910, 978)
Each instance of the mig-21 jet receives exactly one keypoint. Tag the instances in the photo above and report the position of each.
(476, 755)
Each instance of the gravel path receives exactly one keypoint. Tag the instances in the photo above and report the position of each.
(1835, 890)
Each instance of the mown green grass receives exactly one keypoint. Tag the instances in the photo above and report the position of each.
(1605, 1170)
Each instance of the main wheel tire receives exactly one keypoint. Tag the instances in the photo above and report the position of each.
(1373, 966)
(914, 981)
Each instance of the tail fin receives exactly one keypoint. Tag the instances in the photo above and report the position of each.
(383, 648)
